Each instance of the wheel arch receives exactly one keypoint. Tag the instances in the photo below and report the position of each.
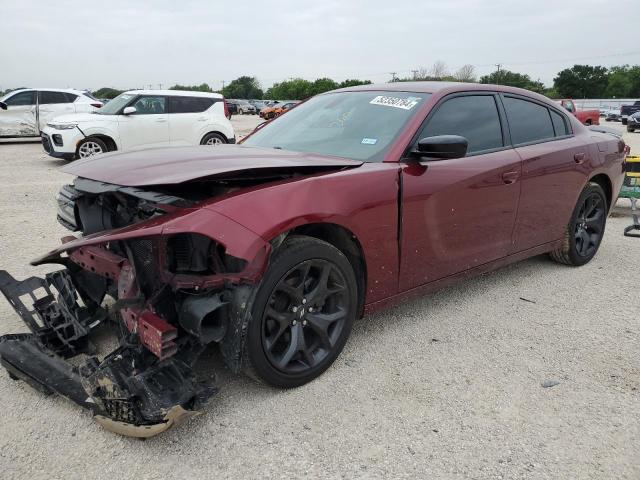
(345, 241)
(218, 132)
(109, 141)
(604, 181)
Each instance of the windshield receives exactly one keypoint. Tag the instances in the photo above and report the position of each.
(356, 125)
(114, 106)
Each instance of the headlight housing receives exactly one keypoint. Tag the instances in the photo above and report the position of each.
(62, 126)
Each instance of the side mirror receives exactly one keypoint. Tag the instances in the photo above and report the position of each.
(442, 147)
(3, 105)
(129, 110)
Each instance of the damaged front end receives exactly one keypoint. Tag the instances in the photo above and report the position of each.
(171, 278)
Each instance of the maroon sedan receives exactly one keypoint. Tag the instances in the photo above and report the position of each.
(269, 250)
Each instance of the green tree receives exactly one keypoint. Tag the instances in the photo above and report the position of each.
(107, 92)
(294, 89)
(243, 87)
(193, 88)
(513, 79)
(352, 82)
(322, 85)
(618, 82)
(582, 81)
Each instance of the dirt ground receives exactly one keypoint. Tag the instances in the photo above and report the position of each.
(448, 386)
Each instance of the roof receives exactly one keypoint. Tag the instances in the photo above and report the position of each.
(176, 93)
(445, 87)
(69, 90)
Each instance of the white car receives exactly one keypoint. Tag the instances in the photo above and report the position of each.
(141, 119)
(25, 112)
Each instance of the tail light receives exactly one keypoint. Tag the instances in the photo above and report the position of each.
(97, 105)
(226, 108)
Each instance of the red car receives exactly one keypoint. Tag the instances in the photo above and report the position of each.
(586, 117)
(354, 200)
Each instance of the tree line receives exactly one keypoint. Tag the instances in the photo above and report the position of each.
(579, 81)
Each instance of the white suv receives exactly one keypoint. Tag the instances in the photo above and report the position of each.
(141, 119)
(25, 112)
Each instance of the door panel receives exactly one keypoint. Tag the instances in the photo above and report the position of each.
(552, 170)
(551, 183)
(19, 119)
(148, 127)
(457, 214)
(52, 104)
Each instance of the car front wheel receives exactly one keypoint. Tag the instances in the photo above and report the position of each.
(213, 139)
(91, 146)
(585, 230)
(302, 313)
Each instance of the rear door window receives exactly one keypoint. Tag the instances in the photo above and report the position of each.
(474, 117)
(559, 124)
(529, 122)
(189, 104)
(48, 97)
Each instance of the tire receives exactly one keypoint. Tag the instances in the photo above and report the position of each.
(630, 129)
(213, 139)
(583, 234)
(91, 146)
(624, 122)
(588, 123)
(297, 328)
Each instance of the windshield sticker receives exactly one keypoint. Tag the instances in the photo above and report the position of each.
(369, 141)
(396, 102)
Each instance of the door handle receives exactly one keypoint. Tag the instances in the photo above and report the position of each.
(579, 158)
(202, 119)
(161, 120)
(510, 177)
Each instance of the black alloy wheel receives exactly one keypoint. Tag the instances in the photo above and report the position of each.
(306, 313)
(585, 230)
(302, 314)
(589, 225)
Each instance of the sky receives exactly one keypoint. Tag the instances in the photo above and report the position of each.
(134, 44)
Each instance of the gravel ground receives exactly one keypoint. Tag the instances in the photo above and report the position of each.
(449, 386)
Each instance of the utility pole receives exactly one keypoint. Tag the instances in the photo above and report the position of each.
(498, 72)
(415, 73)
(393, 76)
(160, 86)
(223, 84)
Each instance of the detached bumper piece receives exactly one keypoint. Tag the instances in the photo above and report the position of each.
(131, 392)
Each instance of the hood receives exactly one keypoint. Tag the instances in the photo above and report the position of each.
(83, 117)
(176, 165)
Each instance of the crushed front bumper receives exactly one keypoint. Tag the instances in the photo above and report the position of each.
(131, 391)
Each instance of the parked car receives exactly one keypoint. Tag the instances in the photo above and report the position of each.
(603, 110)
(586, 117)
(277, 109)
(245, 108)
(399, 189)
(141, 119)
(633, 122)
(626, 110)
(25, 112)
(233, 106)
(613, 115)
(258, 104)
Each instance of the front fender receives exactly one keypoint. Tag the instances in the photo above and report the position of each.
(369, 211)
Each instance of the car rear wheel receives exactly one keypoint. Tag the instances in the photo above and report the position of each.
(630, 129)
(585, 229)
(91, 146)
(302, 314)
(213, 139)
